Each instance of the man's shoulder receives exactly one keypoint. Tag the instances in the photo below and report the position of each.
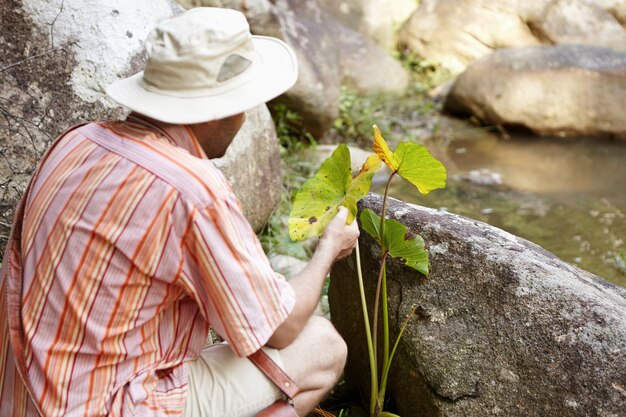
(197, 180)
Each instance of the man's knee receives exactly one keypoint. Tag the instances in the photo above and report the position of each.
(336, 347)
(317, 357)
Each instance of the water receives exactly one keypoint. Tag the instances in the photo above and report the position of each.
(567, 195)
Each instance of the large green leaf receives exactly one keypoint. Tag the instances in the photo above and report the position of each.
(410, 251)
(388, 414)
(317, 201)
(412, 162)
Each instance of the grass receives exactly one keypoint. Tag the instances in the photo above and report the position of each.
(426, 74)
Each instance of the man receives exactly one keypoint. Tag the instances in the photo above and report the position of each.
(129, 244)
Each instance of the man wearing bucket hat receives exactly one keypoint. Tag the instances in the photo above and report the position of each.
(129, 244)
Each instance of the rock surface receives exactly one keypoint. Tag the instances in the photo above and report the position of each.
(456, 32)
(584, 23)
(376, 19)
(287, 265)
(56, 58)
(252, 166)
(329, 55)
(503, 326)
(558, 90)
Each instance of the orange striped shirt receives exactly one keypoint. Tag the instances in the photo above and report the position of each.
(132, 245)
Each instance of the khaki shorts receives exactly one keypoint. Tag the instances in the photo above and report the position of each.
(221, 384)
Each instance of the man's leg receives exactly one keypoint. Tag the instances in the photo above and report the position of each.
(222, 384)
(315, 361)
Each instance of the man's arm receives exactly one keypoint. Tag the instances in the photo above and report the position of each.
(337, 242)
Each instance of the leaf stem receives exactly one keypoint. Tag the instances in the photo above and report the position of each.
(385, 306)
(383, 286)
(376, 304)
(370, 347)
(383, 381)
(383, 212)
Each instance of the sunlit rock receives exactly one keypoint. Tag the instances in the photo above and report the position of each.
(286, 265)
(561, 90)
(252, 166)
(376, 19)
(456, 32)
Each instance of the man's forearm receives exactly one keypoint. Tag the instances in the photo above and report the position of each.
(337, 242)
(307, 286)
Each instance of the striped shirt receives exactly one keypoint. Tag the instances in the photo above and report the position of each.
(132, 245)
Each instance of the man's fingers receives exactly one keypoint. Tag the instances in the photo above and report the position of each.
(342, 212)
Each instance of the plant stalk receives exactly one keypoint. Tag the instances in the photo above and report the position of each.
(376, 304)
(370, 347)
(383, 380)
(385, 306)
(383, 212)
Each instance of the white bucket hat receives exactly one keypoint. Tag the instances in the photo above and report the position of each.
(205, 65)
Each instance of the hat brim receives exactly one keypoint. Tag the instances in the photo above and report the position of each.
(277, 72)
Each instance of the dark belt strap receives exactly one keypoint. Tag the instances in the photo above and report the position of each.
(280, 408)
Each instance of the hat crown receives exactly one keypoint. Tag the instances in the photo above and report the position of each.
(199, 28)
(187, 52)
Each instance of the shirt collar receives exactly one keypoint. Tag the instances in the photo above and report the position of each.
(178, 135)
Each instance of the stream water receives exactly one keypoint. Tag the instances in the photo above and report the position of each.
(567, 195)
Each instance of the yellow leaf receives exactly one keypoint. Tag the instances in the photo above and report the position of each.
(382, 150)
(317, 200)
(360, 185)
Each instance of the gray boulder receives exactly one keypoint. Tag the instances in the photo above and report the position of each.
(558, 90)
(56, 59)
(329, 55)
(366, 67)
(582, 22)
(503, 328)
(376, 19)
(252, 166)
(456, 32)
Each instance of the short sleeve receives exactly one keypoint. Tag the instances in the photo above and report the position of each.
(239, 293)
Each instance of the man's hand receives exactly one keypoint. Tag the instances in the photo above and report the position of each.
(340, 238)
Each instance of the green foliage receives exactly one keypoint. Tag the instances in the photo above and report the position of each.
(426, 74)
(293, 142)
(317, 201)
(289, 129)
(410, 251)
(355, 114)
(423, 171)
(275, 239)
